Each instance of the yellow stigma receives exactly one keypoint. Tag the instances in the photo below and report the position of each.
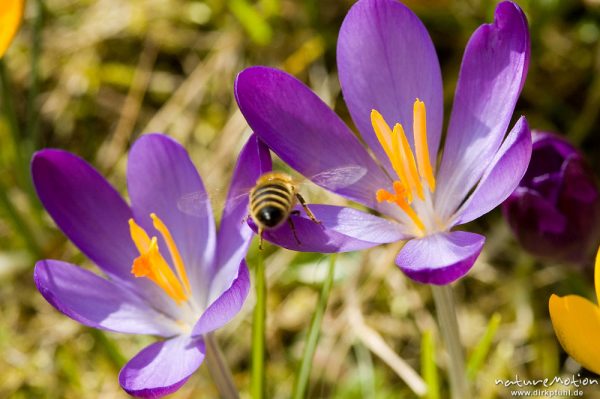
(412, 175)
(152, 265)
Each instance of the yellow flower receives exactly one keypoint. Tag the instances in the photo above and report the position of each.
(11, 14)
(576, 322)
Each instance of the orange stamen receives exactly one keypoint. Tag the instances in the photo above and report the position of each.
(399, 198)
(408, 159)
(412, 171)
(152, 265)
(175, 255)
(391, 146)
(421, 146)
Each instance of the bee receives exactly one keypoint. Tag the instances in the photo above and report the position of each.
(272, 201)
(272, 198)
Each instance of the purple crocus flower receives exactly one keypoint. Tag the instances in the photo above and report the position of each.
(389, 72)
(168, 273)
(555, 210)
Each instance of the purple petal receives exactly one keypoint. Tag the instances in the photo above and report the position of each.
(386, 60)
(226, 305)
(492, 74)
(502, 176)
(341, 230)
(97, 302)
(440, 258)
(306, 134)
(86, 208)
(551, 151)
(535, 213)
(234, 235)
(160, 174)
(163, 367)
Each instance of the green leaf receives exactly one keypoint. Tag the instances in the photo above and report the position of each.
(483, 347)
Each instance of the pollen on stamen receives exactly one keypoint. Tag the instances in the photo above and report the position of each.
(421, 145)
(152, 265)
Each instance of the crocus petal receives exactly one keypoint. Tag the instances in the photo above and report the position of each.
(11, 14)
(160, 175)
(492, 74)
(306, 134)
(163, 367)
(86, 208)
(539, 215)
(386, 60)
(576, 323)
(234, 234)
(440, 258)
(227, 305)
(502, 176)
(97, 302)
(341, 230)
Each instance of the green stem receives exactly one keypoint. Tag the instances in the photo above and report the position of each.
(32, 121)
(10, 113)
(218, 369)
(257, 383)
(446, 313)
(312, 339)
(19, 223)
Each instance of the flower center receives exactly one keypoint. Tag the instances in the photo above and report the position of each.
(152, 265)
(414, 177)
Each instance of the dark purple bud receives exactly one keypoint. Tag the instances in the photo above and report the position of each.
(555, 210)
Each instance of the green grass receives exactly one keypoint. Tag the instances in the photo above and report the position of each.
(108, 71)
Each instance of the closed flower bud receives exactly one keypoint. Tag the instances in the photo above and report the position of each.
(555, 210)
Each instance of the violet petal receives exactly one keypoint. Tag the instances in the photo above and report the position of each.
(502, 176)
(87, 209)
(226, 305)
(492, 74)
(97, 302)
(341, 230)
(163, 367)
(160, 176)
(440, 258)
(386, 60)
(306, 134)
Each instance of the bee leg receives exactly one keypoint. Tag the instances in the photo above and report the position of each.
(308, 211)
(291, 223)
(260, 238)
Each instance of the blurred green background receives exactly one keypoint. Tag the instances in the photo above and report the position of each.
(106, 71)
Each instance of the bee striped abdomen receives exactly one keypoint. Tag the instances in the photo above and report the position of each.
(271, 203)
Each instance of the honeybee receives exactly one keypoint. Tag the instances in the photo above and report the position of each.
(272, 201)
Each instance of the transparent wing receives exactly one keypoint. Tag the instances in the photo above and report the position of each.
(194, 203)
(338, 178)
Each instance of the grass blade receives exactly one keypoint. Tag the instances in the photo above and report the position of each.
(312, 337)
(483, 347)
(257, 379)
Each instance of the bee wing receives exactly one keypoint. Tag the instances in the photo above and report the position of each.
(341, 177)
(194, 203)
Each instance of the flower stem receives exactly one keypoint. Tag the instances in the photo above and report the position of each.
(218, 369)
(313, 334)
(257, 382)
(32, 120)
(446, 313)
